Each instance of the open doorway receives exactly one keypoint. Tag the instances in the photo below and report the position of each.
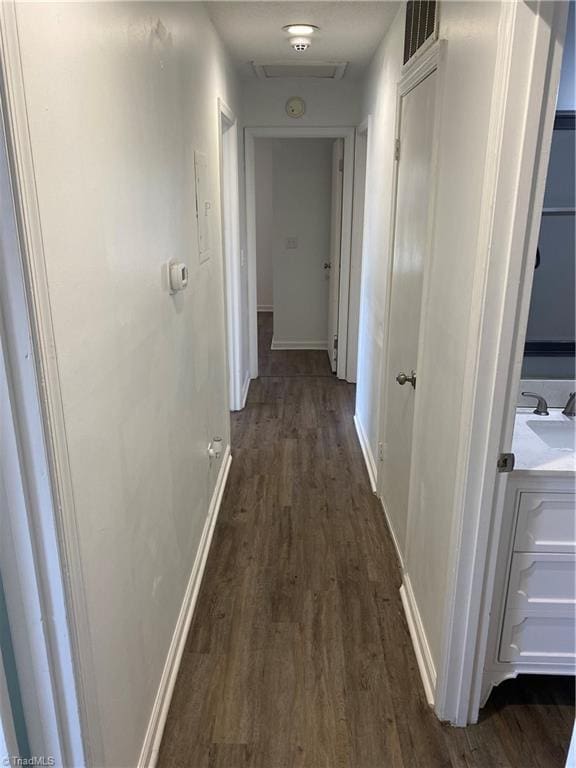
(298, 230)
(299, 221)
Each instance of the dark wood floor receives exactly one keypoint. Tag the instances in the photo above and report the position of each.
(299, 654)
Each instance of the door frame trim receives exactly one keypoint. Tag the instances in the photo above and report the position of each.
(358, 235)
(64, 651)
(230, 228)
(335, 251)
(8, 741)
(251, 133)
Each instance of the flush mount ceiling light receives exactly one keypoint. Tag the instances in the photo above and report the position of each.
(301, 35)
(300, 29)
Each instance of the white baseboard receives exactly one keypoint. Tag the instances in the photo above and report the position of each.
(265, 308)
(151, 746)
(276, 344)
(392, 533)
(245, 388)
(419, 640)
(366, 452)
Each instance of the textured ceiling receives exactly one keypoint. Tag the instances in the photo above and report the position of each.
(350, 30)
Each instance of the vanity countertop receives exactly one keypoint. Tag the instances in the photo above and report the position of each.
(544, 443)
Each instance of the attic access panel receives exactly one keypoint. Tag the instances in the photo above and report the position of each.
(325, 70)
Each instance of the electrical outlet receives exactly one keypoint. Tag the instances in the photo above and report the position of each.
(291, 243)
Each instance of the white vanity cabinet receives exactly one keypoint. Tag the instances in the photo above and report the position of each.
(533, 617)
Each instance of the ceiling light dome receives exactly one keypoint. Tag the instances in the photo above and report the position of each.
(300, 29)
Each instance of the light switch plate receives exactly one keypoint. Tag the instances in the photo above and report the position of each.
(291, 243)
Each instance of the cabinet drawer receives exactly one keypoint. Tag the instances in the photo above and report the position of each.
(539, 620)
(531, 638)
(542, 583)
(546, 522)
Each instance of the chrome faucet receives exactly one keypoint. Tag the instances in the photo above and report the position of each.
(541, 406)
(570, 407)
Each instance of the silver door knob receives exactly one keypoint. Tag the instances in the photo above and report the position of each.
(327, 265)
(402, 379)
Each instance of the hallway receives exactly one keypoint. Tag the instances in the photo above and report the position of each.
(299, 654)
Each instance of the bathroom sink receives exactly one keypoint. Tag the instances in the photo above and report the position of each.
(556, 434)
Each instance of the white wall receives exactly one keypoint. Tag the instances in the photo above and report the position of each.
(302, 173)
(264, 223)
(379, 101)
(118, 98)
(464, 104)
(328, 102)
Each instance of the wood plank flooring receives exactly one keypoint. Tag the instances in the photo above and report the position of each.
(299, 654)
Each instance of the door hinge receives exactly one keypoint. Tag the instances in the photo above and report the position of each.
(397, 149)
(335, 349)
(506, 462)
(341, 164)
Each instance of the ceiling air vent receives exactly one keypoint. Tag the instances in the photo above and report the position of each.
(324, 70)
(421, 16)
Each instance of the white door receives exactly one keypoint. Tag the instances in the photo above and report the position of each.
(410, 243)
(333, 266)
